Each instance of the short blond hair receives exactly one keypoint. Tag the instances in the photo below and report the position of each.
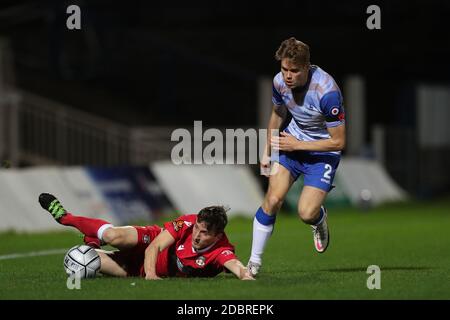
(294, 49)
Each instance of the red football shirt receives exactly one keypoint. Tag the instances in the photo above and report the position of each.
(181, 260)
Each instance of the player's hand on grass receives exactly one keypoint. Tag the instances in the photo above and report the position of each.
(246, 275)
(152, 277)
(285, 142)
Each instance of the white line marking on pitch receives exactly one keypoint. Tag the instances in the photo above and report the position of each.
(32, 254)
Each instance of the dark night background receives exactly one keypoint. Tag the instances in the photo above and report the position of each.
(148, 63)
(145, 63)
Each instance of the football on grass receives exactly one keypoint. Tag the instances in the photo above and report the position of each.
(82, 261)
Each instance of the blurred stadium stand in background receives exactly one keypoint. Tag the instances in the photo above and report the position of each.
(111, 93)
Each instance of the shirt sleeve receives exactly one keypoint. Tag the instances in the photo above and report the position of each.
(177, 226)
(333, 109)
(224, 255)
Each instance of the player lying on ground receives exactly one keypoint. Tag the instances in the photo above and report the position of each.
(193, 245)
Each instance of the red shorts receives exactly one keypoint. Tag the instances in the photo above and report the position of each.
(132, 260)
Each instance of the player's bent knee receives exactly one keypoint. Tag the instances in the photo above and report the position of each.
(121, 237)
(111, 236)
(308, 215)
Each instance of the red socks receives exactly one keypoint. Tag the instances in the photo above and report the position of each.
(87, 226)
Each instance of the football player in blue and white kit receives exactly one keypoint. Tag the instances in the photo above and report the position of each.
(310, 145)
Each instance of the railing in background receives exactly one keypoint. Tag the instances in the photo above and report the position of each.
(49, 132)
(42, 131)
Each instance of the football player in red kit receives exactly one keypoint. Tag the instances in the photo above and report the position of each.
(193, 245)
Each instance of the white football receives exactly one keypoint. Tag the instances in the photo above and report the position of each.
(83, 261)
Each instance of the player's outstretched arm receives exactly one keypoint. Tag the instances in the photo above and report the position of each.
(235, 266)
(162, 241)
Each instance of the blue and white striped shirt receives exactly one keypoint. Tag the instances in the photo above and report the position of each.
(320, 108)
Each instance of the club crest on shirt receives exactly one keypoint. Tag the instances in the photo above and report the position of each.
(146, 238)
(200, 261)
(335, 111)
(177, 224)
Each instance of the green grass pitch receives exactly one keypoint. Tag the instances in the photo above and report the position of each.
(409, 242)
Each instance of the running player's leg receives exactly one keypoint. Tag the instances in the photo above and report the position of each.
(263, 223)
(319, 172)
(312, 212)
(309, 205)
